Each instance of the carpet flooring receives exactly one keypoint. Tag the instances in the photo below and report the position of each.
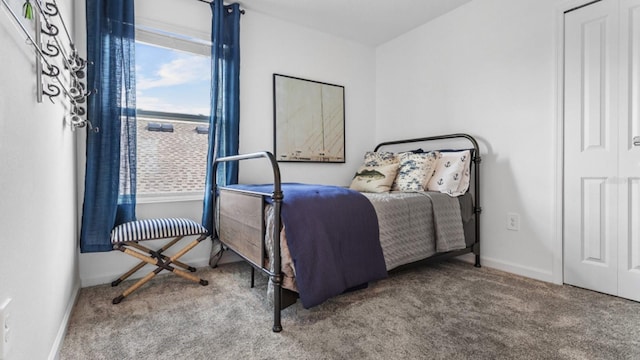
(449, 310)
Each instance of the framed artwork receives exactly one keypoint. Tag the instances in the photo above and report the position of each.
(308, 120)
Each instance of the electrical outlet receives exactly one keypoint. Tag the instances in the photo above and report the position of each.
(513, 221)
(5, 328)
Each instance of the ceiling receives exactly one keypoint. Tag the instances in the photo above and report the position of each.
(370, 22)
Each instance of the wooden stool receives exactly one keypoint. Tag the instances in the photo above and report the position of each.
(126, 238)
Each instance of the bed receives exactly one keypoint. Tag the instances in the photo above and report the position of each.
(318, 241)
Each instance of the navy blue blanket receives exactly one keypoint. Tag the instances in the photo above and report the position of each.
(333, 238)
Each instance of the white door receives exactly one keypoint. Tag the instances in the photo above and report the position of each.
(629, 155)
(602, 167)
(590, 148)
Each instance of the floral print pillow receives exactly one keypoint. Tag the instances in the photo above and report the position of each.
(380, 158)
(415, 171)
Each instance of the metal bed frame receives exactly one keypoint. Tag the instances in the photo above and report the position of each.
(282, 297)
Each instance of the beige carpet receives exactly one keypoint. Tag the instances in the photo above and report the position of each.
(449, 310)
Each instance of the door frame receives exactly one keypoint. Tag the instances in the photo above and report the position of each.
(558, 191)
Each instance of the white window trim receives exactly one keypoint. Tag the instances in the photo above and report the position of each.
(170, 197)
(173, 36)
(183, 39)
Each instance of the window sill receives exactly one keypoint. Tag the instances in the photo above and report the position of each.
(169, 197)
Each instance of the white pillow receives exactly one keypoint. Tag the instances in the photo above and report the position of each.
(449, 172)
(465, 157)
(374, 178)
(415, 171)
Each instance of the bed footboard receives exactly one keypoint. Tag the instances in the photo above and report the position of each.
(243, 228)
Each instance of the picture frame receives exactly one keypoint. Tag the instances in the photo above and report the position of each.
(309, 124)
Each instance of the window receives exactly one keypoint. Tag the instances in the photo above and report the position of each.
(173, 79)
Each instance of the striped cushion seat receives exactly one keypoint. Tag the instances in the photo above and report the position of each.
(149, 229)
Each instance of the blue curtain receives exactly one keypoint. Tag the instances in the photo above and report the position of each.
(224, 123)
(109, 188)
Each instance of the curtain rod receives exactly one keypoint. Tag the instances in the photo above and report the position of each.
(209, 2)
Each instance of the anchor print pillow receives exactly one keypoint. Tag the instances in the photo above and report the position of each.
(450, 170)
(375, 179)
(465, 157)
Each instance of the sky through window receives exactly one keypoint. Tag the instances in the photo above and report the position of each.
(170, 80)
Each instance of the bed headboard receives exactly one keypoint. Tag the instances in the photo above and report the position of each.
(461, 141)
(436, 139)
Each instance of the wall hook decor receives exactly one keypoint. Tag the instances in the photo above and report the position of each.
(60, 71)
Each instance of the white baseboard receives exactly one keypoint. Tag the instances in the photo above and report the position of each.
(198, 262)
(107, 278)
(54, 354)
(517, 269)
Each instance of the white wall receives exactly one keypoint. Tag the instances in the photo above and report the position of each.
(38, 252)
(487, 69)
(268, 46)
(273, 46)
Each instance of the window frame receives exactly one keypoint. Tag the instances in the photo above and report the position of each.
(181, 39)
